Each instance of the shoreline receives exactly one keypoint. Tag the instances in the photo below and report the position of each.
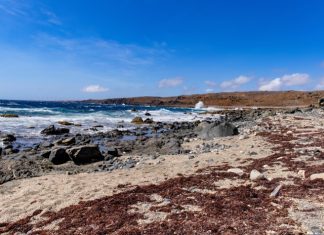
(184, 160)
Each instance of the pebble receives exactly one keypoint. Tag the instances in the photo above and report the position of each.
(255, 175)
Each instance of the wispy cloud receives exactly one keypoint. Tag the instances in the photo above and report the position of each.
(210, 83)
(101, 51)
(95, 89)
(280, 83)
(170, 82)
(235, 83)
(30, 11)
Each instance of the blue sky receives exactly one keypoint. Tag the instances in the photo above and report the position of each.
(78, 49)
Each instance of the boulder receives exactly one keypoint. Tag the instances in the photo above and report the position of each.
(9, 115)
(52, 130)
(215, 129)
(113, 152)
(137, 120)
(255, 175)
(321, 102)
(8, 138)
(147, 114)
(85, 154)
(317, 176)
(58, 156)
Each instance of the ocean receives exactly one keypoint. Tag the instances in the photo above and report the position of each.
(37, 115)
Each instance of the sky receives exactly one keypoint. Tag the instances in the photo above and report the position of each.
(82, 49)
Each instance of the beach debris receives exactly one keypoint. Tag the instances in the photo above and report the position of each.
(276, 191)
(52, 130)
(58, 156)
(85, 154)
(237, 171)
(256, 175)
(137, 120)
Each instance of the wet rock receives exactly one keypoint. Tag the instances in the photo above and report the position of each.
(147, 114)
(65, 123)
(9, 115)
(52, 130)
(0, 151)
(215, 129)
(85, 154)
(148, 121)
(255, 175)
(8, 138)
(237, 171)
(58, 156)
(137, 120)
(317, 176)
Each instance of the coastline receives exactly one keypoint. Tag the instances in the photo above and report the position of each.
(182, 160)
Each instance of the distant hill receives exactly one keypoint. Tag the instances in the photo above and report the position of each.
(226, 99)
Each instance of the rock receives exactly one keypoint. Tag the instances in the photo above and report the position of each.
(113, 152)
(321, 102)
(46, 144)
(52, 130)
(9, 115)
(148, 121)
(65, 123)
(237, 171)
(256, 175)
(45, 154)
(0, 151)
(301, 173)
(317, 176)
(137, 120)
(68, 141)
(243, 137)
(8, 138)
(85, 154)
(212, 130)
(58, 156)
(147, 114)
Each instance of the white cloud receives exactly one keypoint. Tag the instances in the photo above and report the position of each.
(289, 80)
(95, 89)
(209, 90)
(235, 83)
(273, 85)
(320, 85)
(170, 82)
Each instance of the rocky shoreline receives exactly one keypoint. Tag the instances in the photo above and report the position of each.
(258, 153)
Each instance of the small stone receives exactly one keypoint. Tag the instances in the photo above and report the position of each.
(237, 171)
(191, 157)
(255, 175)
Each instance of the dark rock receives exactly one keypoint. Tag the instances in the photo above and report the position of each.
(85, 154)
(147, 114)
(59, 156)
(8, 138)
(148, 121)
(68, 141)
(0, 151)
(52, 130)
(113, 152)
(212, 130)
(45, 154)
